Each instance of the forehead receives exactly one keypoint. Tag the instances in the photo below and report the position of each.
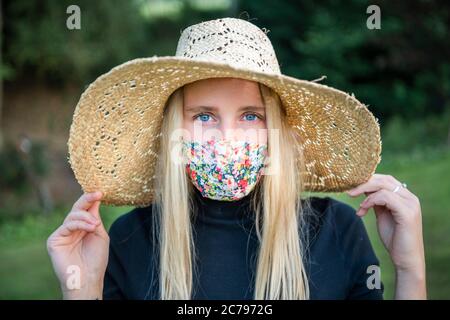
(222, 88)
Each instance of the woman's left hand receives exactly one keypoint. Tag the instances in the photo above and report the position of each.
(399, 222)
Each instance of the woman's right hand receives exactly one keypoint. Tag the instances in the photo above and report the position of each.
(79, 250)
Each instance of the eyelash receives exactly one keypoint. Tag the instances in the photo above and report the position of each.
(246, 114)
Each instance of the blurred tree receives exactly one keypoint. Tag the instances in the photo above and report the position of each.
(5, 72)
(403, 68)
(1, 75)
(39, 44)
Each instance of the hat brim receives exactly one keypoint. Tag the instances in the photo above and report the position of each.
(113, 141)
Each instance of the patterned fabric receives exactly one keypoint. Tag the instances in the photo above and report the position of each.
(224, 169)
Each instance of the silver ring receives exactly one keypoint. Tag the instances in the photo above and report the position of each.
(398, 187)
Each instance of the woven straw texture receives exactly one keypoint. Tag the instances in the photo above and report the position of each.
(114, 136)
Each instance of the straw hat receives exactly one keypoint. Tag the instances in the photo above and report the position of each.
(113, 143)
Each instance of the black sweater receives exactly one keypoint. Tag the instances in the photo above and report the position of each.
(336, 260)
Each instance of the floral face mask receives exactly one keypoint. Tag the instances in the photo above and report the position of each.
(224, 169)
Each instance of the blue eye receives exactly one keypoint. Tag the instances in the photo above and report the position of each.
(204, 117)
(250, 117)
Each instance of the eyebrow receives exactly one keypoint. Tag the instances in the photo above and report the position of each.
(213, 108)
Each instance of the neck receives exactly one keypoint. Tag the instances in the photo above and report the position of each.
(222, 210)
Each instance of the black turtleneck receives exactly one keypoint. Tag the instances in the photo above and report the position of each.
(336, 260)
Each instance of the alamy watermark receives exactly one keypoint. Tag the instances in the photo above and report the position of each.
(73, 21)
(374, 20)
(374, 279)
(73, 281)
(259, 136)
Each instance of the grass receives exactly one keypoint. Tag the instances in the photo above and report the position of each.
(25, 268)
(26, 273)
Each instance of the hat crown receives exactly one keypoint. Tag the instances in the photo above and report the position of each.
(229, 40)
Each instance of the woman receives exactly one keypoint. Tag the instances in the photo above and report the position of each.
(228, 222)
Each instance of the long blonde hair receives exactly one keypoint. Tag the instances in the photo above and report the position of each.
(280, 272)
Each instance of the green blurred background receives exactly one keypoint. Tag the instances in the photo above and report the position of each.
(401, 71)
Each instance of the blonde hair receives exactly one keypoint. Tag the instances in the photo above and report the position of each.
(280, 273)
